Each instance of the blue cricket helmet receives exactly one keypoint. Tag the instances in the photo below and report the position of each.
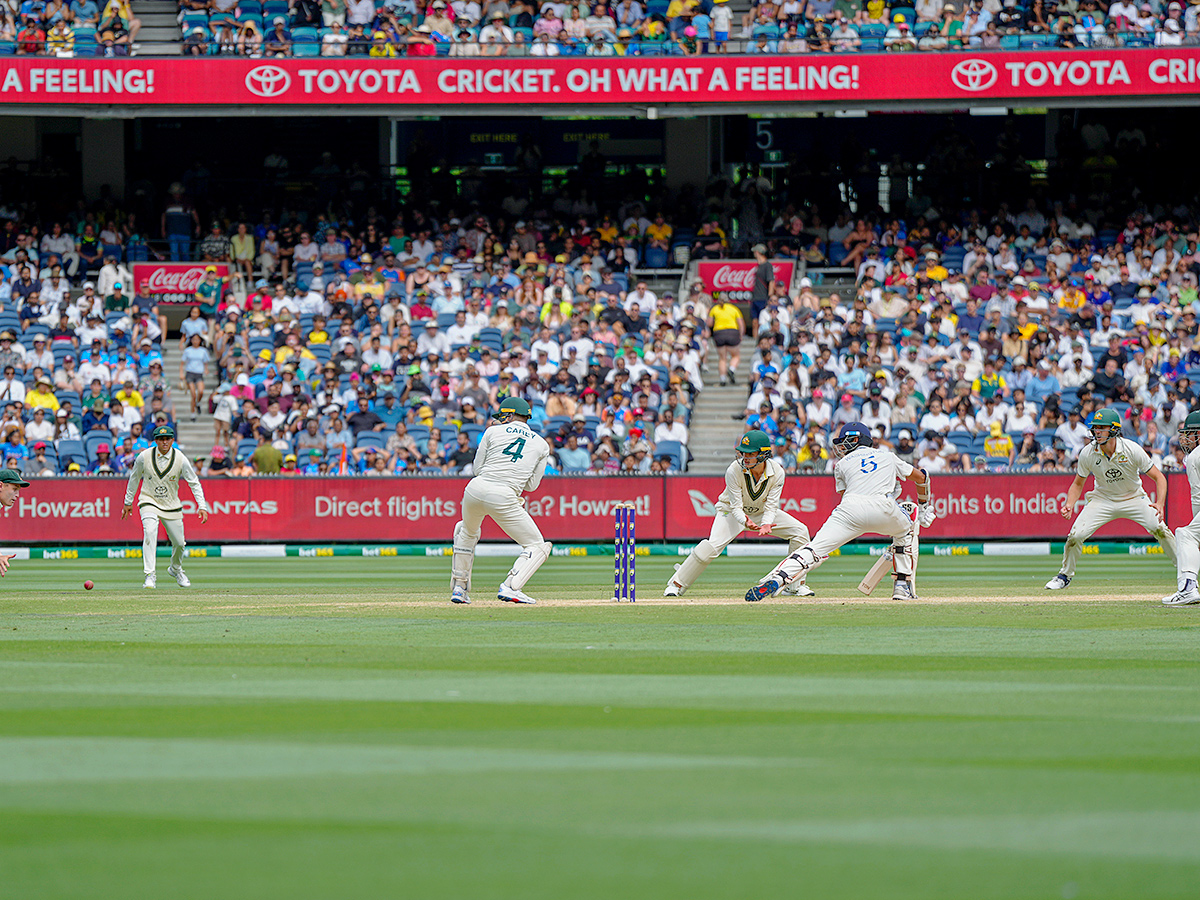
(850, 437)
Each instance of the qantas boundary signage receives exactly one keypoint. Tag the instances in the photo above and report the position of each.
(844, 80)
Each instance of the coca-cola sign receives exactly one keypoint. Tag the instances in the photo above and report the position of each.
(173, 282)
(735, 277)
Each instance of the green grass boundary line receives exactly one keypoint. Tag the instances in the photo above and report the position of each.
(772, 550)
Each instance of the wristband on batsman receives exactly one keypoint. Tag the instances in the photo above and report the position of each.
(925, 489)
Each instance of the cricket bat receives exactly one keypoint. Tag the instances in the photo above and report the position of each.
(884, 563)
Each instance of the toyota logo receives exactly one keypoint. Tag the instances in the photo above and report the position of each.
(969, 75)
(271, 81)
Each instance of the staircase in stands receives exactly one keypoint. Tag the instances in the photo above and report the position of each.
(714, 431)
(160, 35)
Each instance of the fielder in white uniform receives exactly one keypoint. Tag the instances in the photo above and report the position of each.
(750, 501)
(11, 483)
(1118, 466)
(510, 460)
(868, 480)
(1187, 537)
(159, 469)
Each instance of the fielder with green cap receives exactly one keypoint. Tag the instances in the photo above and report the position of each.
(1187, 537)
(509, 461)
(1117, 464)
(159, 469)
(750, 501)
(11, 483)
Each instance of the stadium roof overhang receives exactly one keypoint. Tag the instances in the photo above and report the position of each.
(649, 87)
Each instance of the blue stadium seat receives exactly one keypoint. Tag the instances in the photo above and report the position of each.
(94, 439)
(675, 449)
(377, 439)
(953, 258)
(473, 433)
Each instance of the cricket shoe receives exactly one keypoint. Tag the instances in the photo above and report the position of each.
(511, 595)
(798, 589)
(459, 595)
(181, 579)
(1058, 582)
(766, 589)
(151, 581)
(903, 590)
(1187, 595)
(673, 589)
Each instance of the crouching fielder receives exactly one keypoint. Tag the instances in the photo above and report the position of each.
(753, 488)
(868, 480)
(159, 469)
(1118, 466)
(1187, 537)
(510, 460)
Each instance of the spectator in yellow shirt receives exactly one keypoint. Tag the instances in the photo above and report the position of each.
(1073, 298)
(990, 383)
(42, 396)
(130, 396)
(934, 268)
(118, 15)
(727, 327)
(608, 231)
(998, 445)
(659, 233)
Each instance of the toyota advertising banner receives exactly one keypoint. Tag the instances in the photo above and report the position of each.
(174, 282)
(735, 278)
(421, 510)
(976, 77)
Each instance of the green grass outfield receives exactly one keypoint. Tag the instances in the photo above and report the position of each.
(330, 728)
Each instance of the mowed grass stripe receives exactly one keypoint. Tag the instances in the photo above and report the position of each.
(153, 744)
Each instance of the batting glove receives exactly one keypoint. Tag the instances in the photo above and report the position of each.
(925, 515)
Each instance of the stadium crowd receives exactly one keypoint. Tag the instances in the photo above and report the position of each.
(986, 343)
(362, 359)
(275, 28)
(683, 27)
(978, 340)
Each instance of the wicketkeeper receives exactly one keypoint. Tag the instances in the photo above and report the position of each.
(1117, 465)
(750, 501)
(510, 460)
(159, 469)
(868, 480)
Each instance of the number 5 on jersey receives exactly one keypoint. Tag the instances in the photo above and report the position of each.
(868, 464)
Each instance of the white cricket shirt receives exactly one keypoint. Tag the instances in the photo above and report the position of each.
(1191, 465)
(870, 472)
(750, 500)
(160, 476)
(512, 455)
(1118, 477)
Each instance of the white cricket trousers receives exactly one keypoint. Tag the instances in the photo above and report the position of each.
(174, 527)
(856, 515)
(487, 498)
(1099, 511)
(1187, 543)
(725, 529)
